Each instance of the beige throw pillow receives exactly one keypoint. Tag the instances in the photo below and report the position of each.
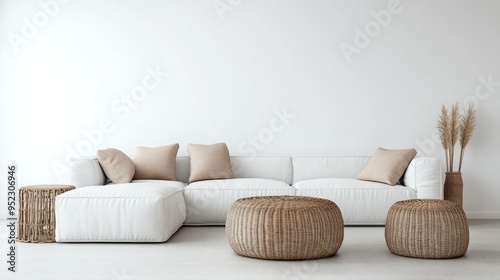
(117, 166)
(209, 162)
(387, 166)
(156, 163)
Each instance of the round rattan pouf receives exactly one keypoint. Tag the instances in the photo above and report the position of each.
(284, 227)
(36, 212)
(427, 228)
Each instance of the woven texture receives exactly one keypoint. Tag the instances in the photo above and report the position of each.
(427, 228)
(285, 227)
(36, 212)
(453, 187)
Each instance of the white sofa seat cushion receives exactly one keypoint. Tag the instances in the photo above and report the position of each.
(344, 183)
(361, 202)
(207, 202)
(168, 183)
(130, 212)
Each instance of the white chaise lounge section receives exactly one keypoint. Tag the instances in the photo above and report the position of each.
(141, 211)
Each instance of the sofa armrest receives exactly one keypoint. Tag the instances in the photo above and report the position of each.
(85, 172)
(424, 174)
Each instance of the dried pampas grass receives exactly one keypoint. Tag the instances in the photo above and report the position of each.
(454, 127)
(444, 131)
(454, 130)
(466, 128)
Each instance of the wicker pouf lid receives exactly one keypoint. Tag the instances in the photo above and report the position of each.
(427, 228)
(285, 227)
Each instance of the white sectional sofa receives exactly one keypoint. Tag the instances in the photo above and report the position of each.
(152, 210)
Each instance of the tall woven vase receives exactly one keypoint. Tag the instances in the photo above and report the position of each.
(453, 187)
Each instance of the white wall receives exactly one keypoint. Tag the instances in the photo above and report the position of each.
(65, 68)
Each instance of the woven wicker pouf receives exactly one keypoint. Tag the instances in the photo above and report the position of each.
(284, 227)
(427, 228)
(36, 212)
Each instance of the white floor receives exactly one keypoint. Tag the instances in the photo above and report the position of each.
(203, 253)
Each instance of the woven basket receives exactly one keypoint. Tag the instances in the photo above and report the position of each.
(453, 187)
(427, 228)
(36, 212)
(285, 227)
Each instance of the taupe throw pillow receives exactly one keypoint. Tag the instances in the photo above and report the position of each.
(387, 166)
(155, 163)
(209, 162)
(117, 166)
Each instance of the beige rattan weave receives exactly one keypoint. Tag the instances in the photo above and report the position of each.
(453, 187)
(285, 227)
(36, 212)
(427, 228)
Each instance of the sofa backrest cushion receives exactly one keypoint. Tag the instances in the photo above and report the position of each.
(85, 172)
(315, 167)
(266, 167)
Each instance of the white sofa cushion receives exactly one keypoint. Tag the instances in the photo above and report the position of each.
(167, 183)
(361, 202)
(424, 174)
(207, 202)
(130, 212)
(342, 183)
(85, 172)
(314, 167)
(277, 168)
